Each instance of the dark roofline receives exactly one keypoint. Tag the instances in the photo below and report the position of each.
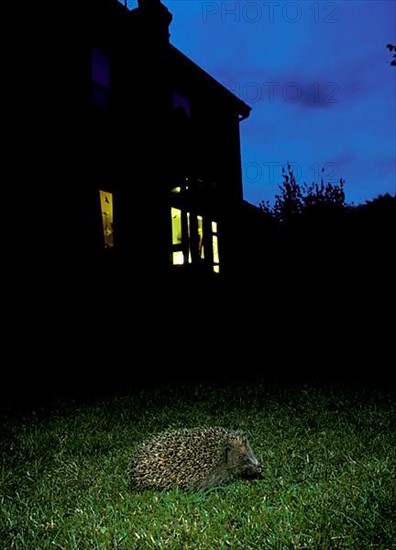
(241, 107)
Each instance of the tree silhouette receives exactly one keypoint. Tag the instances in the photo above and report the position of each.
(324, 194)
(295, 199)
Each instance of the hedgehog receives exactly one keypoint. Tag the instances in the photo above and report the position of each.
(193, 459)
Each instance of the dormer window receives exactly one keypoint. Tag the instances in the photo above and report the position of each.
(101, 77)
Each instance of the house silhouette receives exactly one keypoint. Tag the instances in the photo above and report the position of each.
(128, 218)
(152, 172)
(127, 204)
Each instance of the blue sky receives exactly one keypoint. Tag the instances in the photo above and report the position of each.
(318, 77)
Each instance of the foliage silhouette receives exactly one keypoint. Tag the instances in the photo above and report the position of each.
(392, 48)
(325, 245)
(295, 199)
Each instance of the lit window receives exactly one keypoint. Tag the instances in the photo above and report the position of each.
(194, 240)
(181, 237)
(176, 226)
(177, 237)
(178, 258)
(189, 237)
(201, 251)
(215, 248)
(101, 78)
(106, 206)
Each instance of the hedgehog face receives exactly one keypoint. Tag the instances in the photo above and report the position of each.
(249, 466)
(242, 461)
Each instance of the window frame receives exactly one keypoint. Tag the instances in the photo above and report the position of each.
(198, 236)
(108, 238)
(101, 86)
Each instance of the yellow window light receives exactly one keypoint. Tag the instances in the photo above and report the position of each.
(215, 243)
(106, 206)
(215, 248)
(178, 258)
(176, 226)
(189, 237)
(201, 251)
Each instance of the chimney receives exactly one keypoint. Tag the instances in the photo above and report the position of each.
(157, 16)
(148, 4)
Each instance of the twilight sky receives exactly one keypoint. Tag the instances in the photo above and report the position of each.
(318, 77)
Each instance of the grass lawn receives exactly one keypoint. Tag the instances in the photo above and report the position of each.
(329, 457)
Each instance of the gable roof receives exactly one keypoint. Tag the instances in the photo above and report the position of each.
(185, 66)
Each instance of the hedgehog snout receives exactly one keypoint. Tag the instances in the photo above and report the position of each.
(257, 469)
(253, 468)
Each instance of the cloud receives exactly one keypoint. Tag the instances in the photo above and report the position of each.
(346, 158)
